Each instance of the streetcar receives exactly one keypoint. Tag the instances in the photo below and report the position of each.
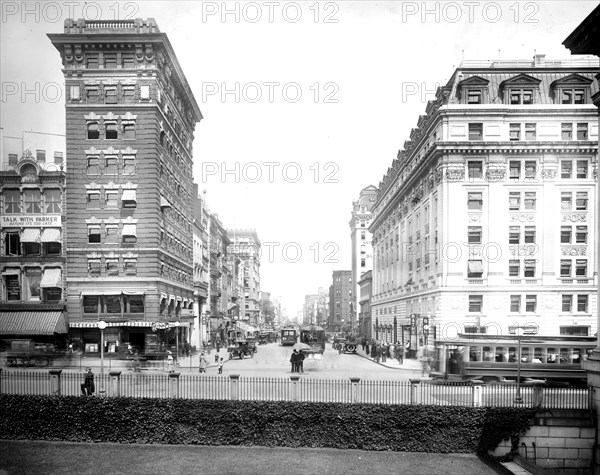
(289, 335)
(313, 336)
(501, 358)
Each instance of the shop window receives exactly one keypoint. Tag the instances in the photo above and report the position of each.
(13, 288)
(12, 201)
(33, 279)
(12, 243)
(33, 201)
(52, 202)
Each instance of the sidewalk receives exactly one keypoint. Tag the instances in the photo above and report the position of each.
(412, 365)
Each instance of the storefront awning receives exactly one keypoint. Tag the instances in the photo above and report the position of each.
(31, 235)
(51, 235)
(163, 296)
(32, 323)
(51, 278)
(11, 272)
(94, 324)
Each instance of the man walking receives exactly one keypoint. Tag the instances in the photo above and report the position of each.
(294, 361)
(87, 387)
(203, 363)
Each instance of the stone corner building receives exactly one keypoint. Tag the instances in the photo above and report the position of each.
(130, 119)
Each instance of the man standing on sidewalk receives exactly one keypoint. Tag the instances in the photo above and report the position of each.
(400, 352)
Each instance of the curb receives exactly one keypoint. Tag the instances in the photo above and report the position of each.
(381, 364)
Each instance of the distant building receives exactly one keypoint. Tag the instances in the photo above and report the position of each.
(201, 257)
(340, 303)
(246, 245)
(130, 120)
(485, 221)
(365, 325)
(362, 247)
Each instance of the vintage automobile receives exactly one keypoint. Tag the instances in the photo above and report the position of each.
(263, 338)
(345, 344)
(241, 348)
(29, 353)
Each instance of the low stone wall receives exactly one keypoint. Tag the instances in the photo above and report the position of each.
(558, 441)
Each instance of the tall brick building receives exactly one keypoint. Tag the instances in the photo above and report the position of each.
(130, 119)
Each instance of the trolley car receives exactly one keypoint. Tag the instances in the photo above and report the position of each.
(314, 337)
(289, 335)
(501, 358)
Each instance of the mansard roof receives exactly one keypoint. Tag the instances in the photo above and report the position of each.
(473, 81)
(572, 80)
(520, 80)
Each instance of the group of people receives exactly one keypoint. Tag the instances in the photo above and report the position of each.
(203, 363)
(297, 360)
(380, 351)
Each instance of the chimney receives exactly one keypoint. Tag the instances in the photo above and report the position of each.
(538, 59)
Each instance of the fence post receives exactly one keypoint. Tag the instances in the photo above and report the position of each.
(354, 382)
(295, 388)
(414, 391)
(235, 387)
(476, 390)
(55, 381)
(174, 385)
(115, 383)
(538, 395)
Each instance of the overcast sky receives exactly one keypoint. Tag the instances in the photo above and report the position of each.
(304, 103)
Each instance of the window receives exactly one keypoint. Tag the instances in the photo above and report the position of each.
(363, 235)
(33, 201)
(58, 158)
(33, 279)
(574, 331)
(581, 233)
(475, 169)
(110, 94)
(128, 164)
(567, 303)
(111, 131)
(12, 201)
(514, 201)
(40, 155)
(12, 243)
(530, 132)
(474, 234)
(514, 170)
(111, 199)
(581, 267)
(476, 131)
(129, 130)
(566, 168)
(111, 233)
(529, 268)
(112, 266)
(515, 303)
(74, 93)
(474, 96)
(521, 96)
(572, 96)
(131, 266)
(363, 262)
(90, 304)
(565, 267)
(94, 234)
(91, 61)
(514, 235)
(113, 303)
(565, 234)
(52, 203)
(566, 131)
(110, 165)
(13, 288)
(128, 94)
(475, 201)
(135, 303)
(475, 269)
(530, 199)
(94, 267)
(93, 131)
(565, 201)
(513, 267)
(92, 94)
(110, 61)
(127, 60)
(581, 200)
(515, 132)
(529, 235)
(145, 92)
(129, 234)
(93, 165)
(582, 169)
(32, 248)
(53, 248)
(475, 303)
(93, 199)
(530, 169)
(582, 303)
(530, 303)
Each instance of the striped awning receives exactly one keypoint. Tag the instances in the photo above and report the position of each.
(94, 324)
(31, 235)
(32, 323)
(51, 278)
(51, 235)
(171, 298)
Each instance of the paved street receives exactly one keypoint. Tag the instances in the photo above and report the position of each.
(49, 458)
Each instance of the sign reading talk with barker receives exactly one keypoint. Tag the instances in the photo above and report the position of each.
(34, 220)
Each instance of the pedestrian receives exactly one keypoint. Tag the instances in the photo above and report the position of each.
(378, 352)
(87, 387)
(384, 350)
(170, 361)
(218, 345)
(221, 366)
(294, 361)
(363, 343)
(203, 363)
(373, 349)
(400, 353)
(367, 347)
(216, 357)
(392, 351)
(301, 362)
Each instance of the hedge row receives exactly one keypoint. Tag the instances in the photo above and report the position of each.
(401, 428)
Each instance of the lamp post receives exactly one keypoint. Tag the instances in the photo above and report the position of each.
(518, 398)
(177, 340)
(102, 326)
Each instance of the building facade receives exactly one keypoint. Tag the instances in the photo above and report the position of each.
(361, 239)
(365, 325)
(130, 120)
(246, 245)
(484, 221)
(32, 252)
(200, 278)
(340, 301)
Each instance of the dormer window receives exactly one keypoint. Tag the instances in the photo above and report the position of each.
(571, 89)
(521, 96)
(474, 96)
(473, 90)
(522, 89)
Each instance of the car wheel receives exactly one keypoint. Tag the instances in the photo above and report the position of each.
(351, 348)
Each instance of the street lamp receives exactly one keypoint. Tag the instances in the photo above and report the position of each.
(518, 398)
(102, 326)
(177, 340)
